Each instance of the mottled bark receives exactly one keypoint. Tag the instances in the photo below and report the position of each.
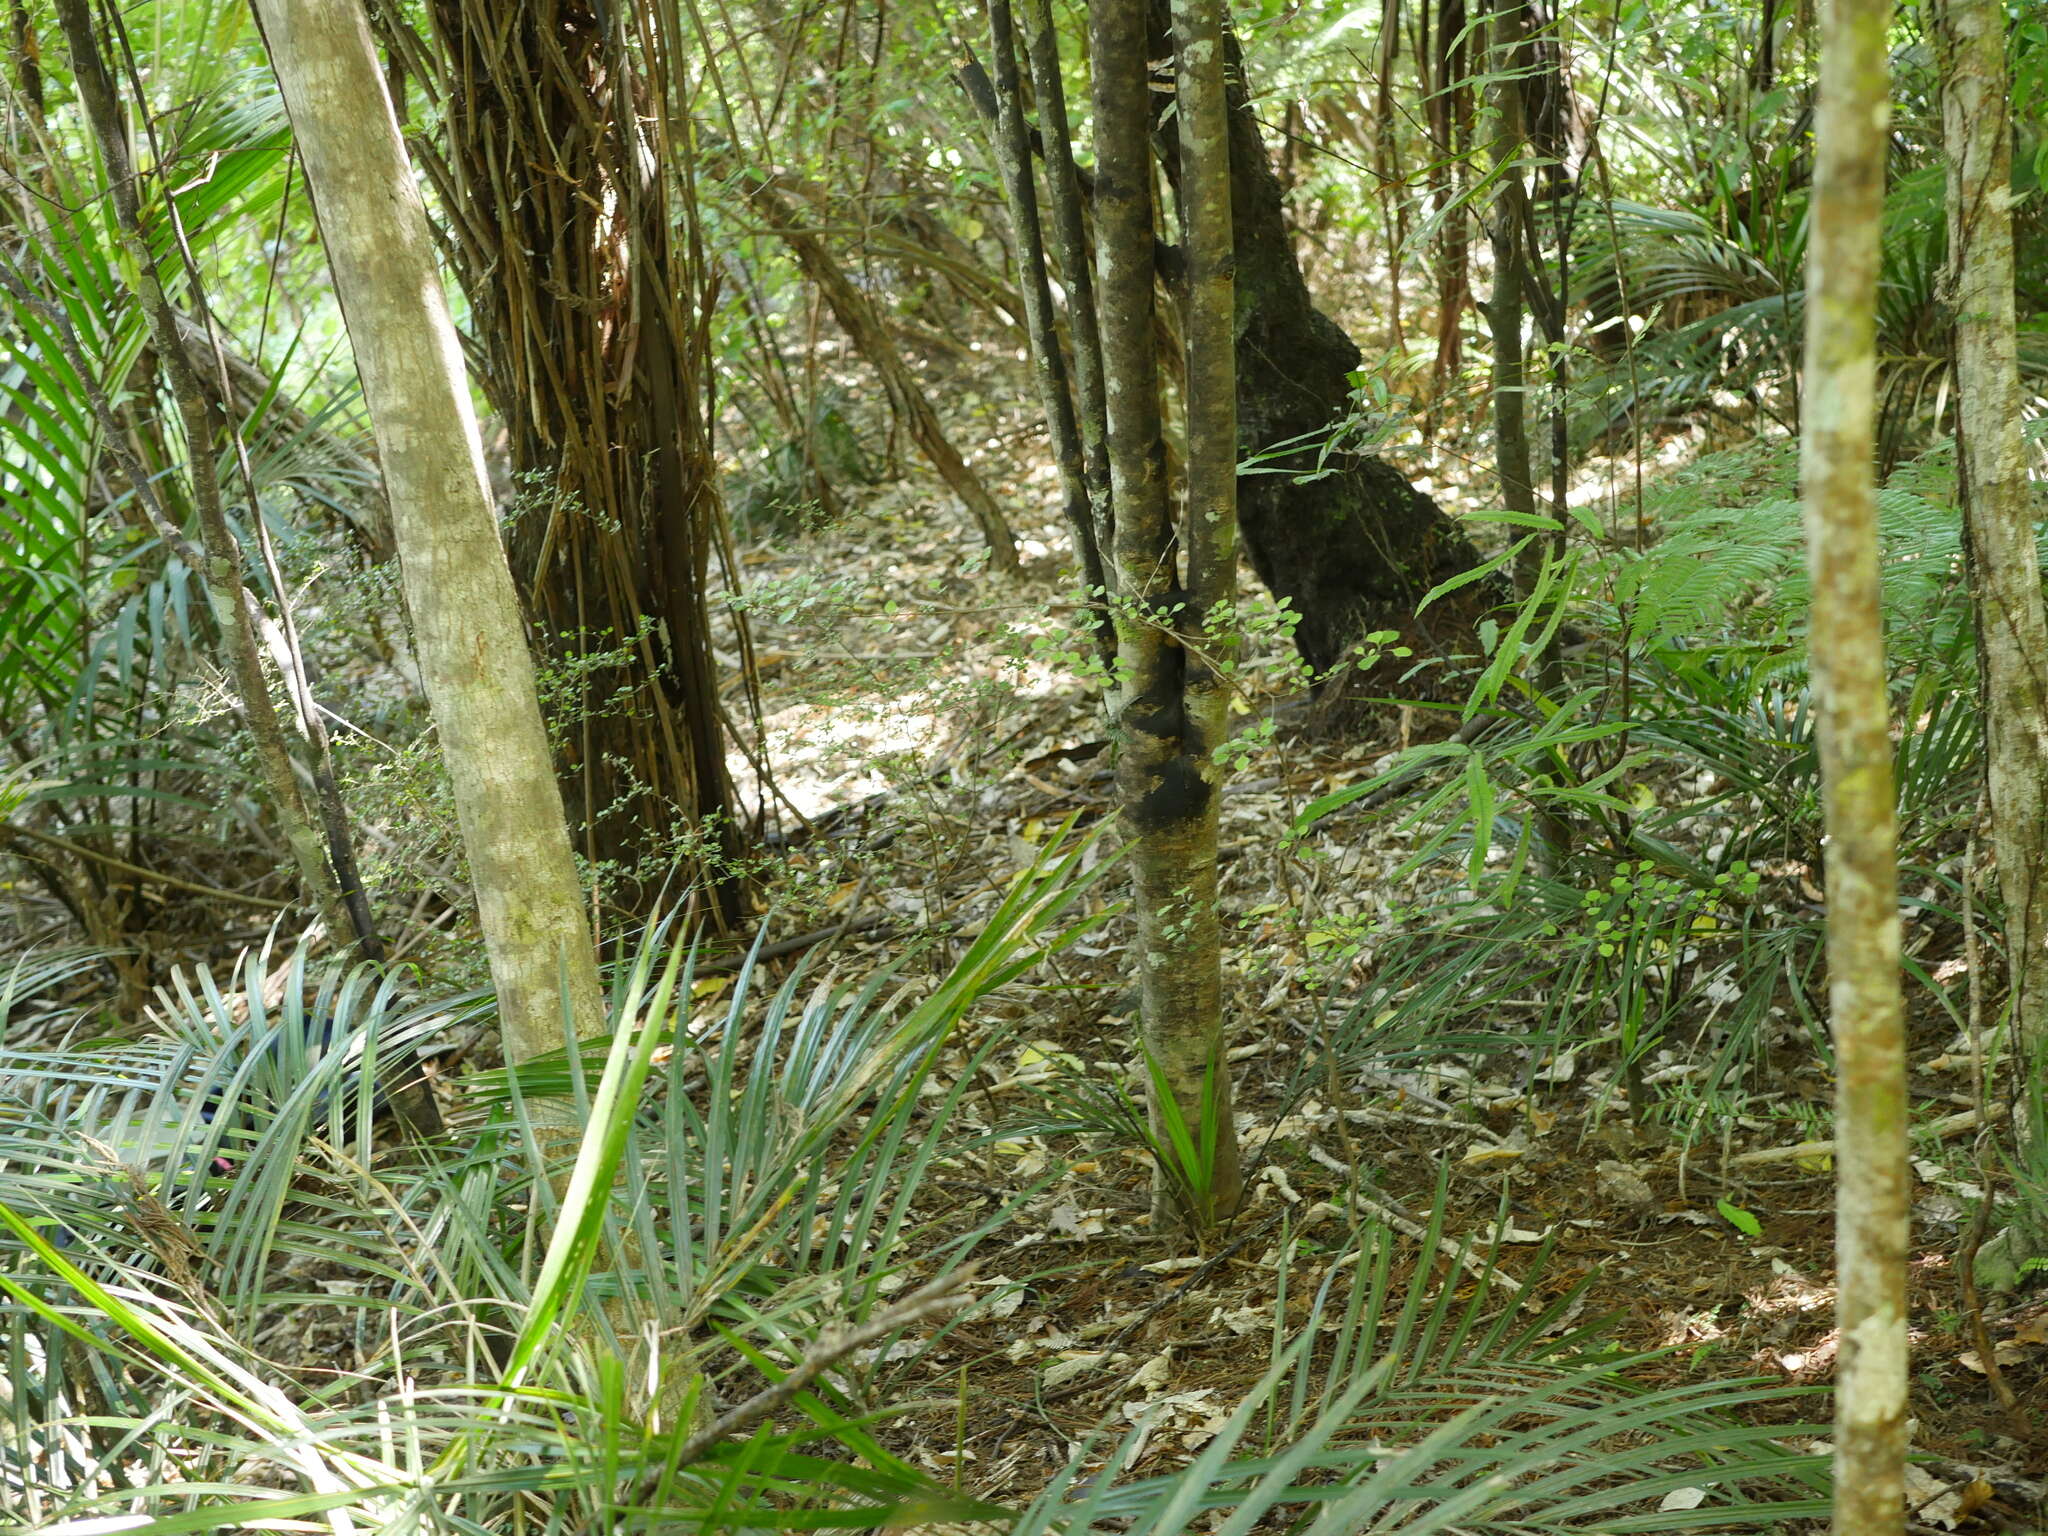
(1849, 685)
(1168, 724)
(469, 634)
(2005, 569)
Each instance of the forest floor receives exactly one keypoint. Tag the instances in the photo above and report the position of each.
(928, 741)
(918, 725)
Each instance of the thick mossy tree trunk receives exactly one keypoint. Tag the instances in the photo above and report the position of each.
(588, 302)
(1354, 550)
(1866, 1007)
(2005, 567)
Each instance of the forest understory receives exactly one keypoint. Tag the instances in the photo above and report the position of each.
(1084, 769)
(1696, 1214)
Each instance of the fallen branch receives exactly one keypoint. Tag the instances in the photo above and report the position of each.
(1945, 1129)
(13, 835)
(792, 944)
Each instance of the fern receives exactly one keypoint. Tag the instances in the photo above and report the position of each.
(1740, 563)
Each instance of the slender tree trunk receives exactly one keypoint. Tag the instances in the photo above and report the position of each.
(325, 854)
(470, 636)
(1070, 239)
(1049, 365)
(1506, 307)
(1386, 170)
(219, 560)
(2005, 569)
(1450, 115)
(1847, 647)
(1169, 712)
(1354, 548)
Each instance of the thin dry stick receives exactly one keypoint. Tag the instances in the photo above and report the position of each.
(10, 835)
(1941, 1130)
(941, 1295)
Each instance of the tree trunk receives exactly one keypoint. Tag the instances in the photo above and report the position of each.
(1847, 649)
(1448, 99)
(470, 637)
(1355, 550)
(588, 305)
(1070, 239)
(218, 561)
(2005, 570)
(1386, 170)
(1049, 365)
(1169, 710)
(1506, 306)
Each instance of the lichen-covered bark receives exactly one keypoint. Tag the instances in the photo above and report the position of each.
(1847, 646)
(468, 632)
(1169, 722)
(2005, 569)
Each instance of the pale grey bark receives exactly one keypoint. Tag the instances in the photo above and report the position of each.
(470, 639)
(2005, 569)
(1849, 685)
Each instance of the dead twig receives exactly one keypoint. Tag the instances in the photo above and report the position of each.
(941, 1295)
(1942, 1130)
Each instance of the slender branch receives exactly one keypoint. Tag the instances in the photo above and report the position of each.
(940, 1296)
(155, 877)
(219, 562)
